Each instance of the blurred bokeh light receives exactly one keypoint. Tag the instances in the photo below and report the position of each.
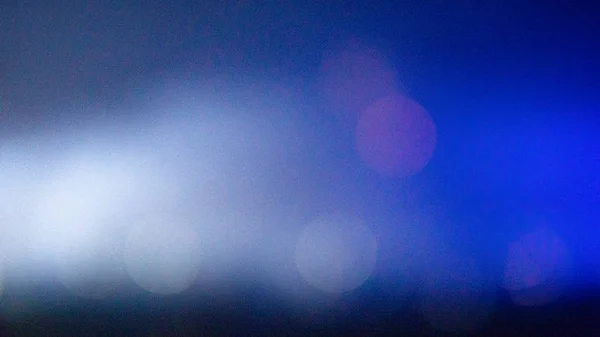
(536, 265)
(336, 253)
(231, 168)
(352, 75)
(162, 255)
(395, 136)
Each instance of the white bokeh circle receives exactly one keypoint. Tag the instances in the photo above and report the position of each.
(163, 257)
(93, 267)
(336, 253)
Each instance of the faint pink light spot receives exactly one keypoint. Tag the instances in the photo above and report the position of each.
(352, 77)
(395, 136)
(535, 266)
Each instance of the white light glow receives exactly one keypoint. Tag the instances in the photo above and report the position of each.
(86, 194)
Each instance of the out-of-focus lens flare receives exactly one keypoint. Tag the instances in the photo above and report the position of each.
(353, 76)
(93, 268)
(163, 256)
(279, 262)
(336, 253)
(539, 295)
(535, 267)
(395, 136)
(456, 296)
